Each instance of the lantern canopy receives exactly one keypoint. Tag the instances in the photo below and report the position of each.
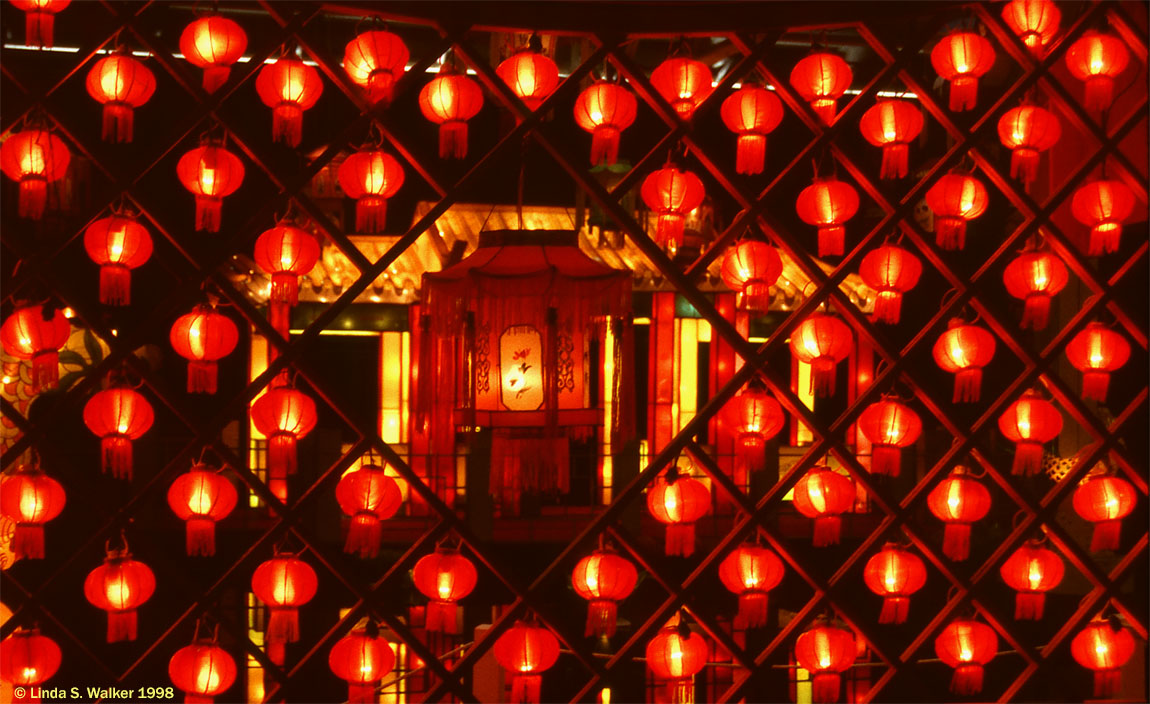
(450, 100)
(1104, 500)
(202, 671)
(121, 83)
(958, 501)
(28, 659)
(1030, 422)
(34, 158)
(964, 350)
(891, 271)
(37, 333)
(213, 43)
(1032, 570)
(526, 650)
(894, 573)
(285, 253)
(203, 337)
(530, 74)
(118, 415)
(962, 58)
(120, 586)
(362, 660)
(1097, 59)
(827, 204)
(370, 176)
(283, 583)
(966, 645)
(1104, 646)
(284, 415)
(825, 651)
(375, 61)
(890, 426)
(750, 268)
(751, 571)
(210, 172)
(1035, 22)
(683, 82)
(954, 199)
(1035, 276)
(1103, 205)
(603, 579)
(821, 78)
(201, 498)
(117, 244)
(822, 341)
(755, 417)
(1097, 351)
(824, 495)
(751, 112)
(30, 498)
(891, 125)
(678, 501)
(672, 194)
(676, 655)
(288, 87)
(370, 497)
(40, 20)
(445, 576)
(1027, 131)
(605, 109)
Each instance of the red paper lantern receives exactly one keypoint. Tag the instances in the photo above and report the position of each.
(28, 659)
(530, 75)
(678, 501)
(30, 498)
(120, 586)
(1035, 276)
(121, 83)
(288, 87)
(201, 498)
(210, 172)
(751, 571)
(827, 204)
(894, 573)
(213, 43)
(1035, 22)
(967, 646)
(362, 661)
(1026, 131)
(1030, 422)
(370, 497)
(202, 671)
(37, 333)
(821, 78)
(283, 415)
(370, 176)
(1096, 351)
(755, 417)
(892, 124)
(445, 576)
(824, 495)
(605, 109)
(752, 112)
(676, 655)
(450, 100)
(890, 426)
(1105, 500)
(672, 194)
(1031, 571)
(964, 350)
(526, 650)
(683, 82)
(1102, 206)
(603, 579)
(203, 337)
(1097, 59)
(891, 271)
(954, 199)
(1104, 646)
(117, 244)
(286, 253)
(34, 158)
(375, 61)
(284, 583)
(962, 58)
(822, 341)
(750, 268)
(825, 651)
(118, 415)
(958, 501)
(39, 20)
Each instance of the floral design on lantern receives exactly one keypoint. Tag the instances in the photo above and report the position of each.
(605, 109)
(755, 417)
(28, 659)
(1097, 351)
(1103, 205)
(283, 583)
(751, 571)
(118, 244)
(677, 501)
(1030, 422)
(34, 158)
(121, 83)
(30, 498)
(822, 340)
(120, 586)
(964, 350)
(203, 337)
(750, 268)
(891, 271)
(370, 176)
(954, 199)
(603, 579)
(213, 43)
(821, 78)
(962, 58)
(1104, 646)
(1031, 570)
(683, 82)
(37, 333)
(1034, 277)
(445, 576)
(450, 100)
(284, 415)
(361, 659)
(40, 20)
(210, 172)
(827, 204)
(676, 655)
(671, 194)
(894, 573)
(202, 671)
(530, 74)
(958, 501)
(526, 650)
(288, 87)
(891, 125)
(201, 498)
(752, 112)
(890, 426)
(369, 497)
(118, 415)
(824, 495)
(825, 651)
(1026, 131)
(1104, 500)
(1035, 22)
(286, 253)
(375, 61)
(1097, 59)
(966, 645)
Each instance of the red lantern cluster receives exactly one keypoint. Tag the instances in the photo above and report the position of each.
(821, 78)
(1104, 646)
(40, 20)
(370, 177)
(1026, 131)
(1031, 570)
(526, 650)
(450, 100)
(962, 58)
(750, 268)
(34, 158)
(284, 415)
(677, 501)
(37, 333)
(822, 341)
(605, 109)
(375, 61)
(30, 498)
(676, 655)
(672, 194)
(890, 426)
(284, 583)
(120, 586)
(891, 125)
(1097, 59)
(1097, 351)
(1035, 276)
(1035, 22)
(1103, 206)
(201, 498)
(967, 646)
(213, 43)
(288, 87)
(751, 571)
(530, 75)
(203, 337)
(894, 573)
(683, 82)
(202, 671)
(752, 112)
(1030, 422)
(954, 199)
(964, 350)
(121, 84)
(210, 173)
(286, 253)
(28, 659)
(118, 415)
(824, 495)
(958, 501)
(370, 497)
(117, 244)
(825, 651)
(828, 204)
(361, 660)
(603, 579)
(891, 271)
(755, 417)
(445, 576)
(1104, 500)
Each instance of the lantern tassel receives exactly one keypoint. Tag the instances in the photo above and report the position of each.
(33, 197)
(1035, 312)
(885, 460)
(1095, 385)
(116, 456)
(190, 698)
(282, 459)
(1104, 238)
(682, 691)
(749, 453)
(967, 679)
(208, 213)
(605, 145)
(894, 609)
(117, 123)
(364, 535)
(680, 539)
(115, 285)
(215, 77)
(121, 626)
(894, 160)
(825, 108)
(1107, 683)
(370, 214)
(967, 385)
(202, 377)
(950, 233)
(45, 370)
(1028, 606)
(756, 296)
(956, 541)
(360, 693)
(1024, 165)
(200, 537)
(669, 230)
(38, 28)
(828, 529)
(285, 288)
(1106, 535)
(825, 687)
(963, 93)
(601, 616)
(831, 241)
(1099, 93)
(287, 124)
(750, 153)
(442, 617)
(276, 652)
(283, 625)
(752, 610)
(888, 307)
(823, 376)
(525, 688)
(279, 317)
(28, 541)
(380, 87)
(1027, 459)
(453, 140)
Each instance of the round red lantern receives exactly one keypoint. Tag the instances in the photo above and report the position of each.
(751, 571)
(821, 341)
(750, 268)
(1030, 422)
(1096, 351)
(210, 172)
(605, 109)
(526, 650)
(954, 199)
(203, 337)
(120, 586)
(117, 244)
(28, 659)
(284, 415)
(752, 112)
(37, 333)
(894, 573)
(821, 78)
(1104, 646)
(530, 74)
(361, 660)
(825, 651)
(30, 498)
(1104, 500)
(672, 194)
(827, 204)
(284, 583)
(1031, 571)
(201, 498)
(202, 671)
(958, 501)
(39, 20)
(370, 176)
(891, 271)
(1035, 276)
(445, 576)
(1035, 22)
(676, 655)
(966, 645)
(1097, 59)
(890, 426)
(891, 125)
(677, 501)
(34, 158)
(375, 61)
(121, 83)
(286, 253)
(1102, 206)
(1026, 131)
(824, 495)
(370, 497)
(450, 100)
(962, 58)
(213, 43)
(964, 350)
(755, 417)
(683, 82)
(603, 579)
(118, 415)
(288, 87)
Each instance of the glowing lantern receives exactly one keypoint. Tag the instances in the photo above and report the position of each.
(1035, 22)
(34, 158)
(1104, 500)
(445, 576)
(954, 199)
(678, 501)
(967, 646)
(751, 112)
(30, 498)
(894, 573)
(962, 58)
(370, 176)
(672, 194)
(1031, 571)
(822, 341)
(39, 20)
(755, 417)
(958, 501)
(1030, 422)
(210, 172)
(827, 204)
(121, 84)
(118, 415)
(530, 75)
(375, 61)
(750, 268)
(1026, 131)
(213, 43)
(361, 660)
(821, 78)
(288, 87)
(370, 497)
(202, 671)
(117, 244)
(37, 333)
(890, 426)
(751, 571)
(284, 583)
(120, 586)
(964, 350)
(824, 495)
(1104, 646)
(683, 82)
(891, 125)
(526, 650)
(283, 415)
(201, 498)
(286, 253)
(825, 651)
(203, 337)
(28, 659)
(1102, 206)
(676, 655)
(891, 271)
(605, 109)
(1097, 59)
(1096, 351)
(603, 579)
(450, 100)
(1035, 276)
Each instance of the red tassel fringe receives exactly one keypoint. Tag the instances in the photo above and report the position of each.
(45, 370)
(1099, 93)
(756, 296)
(281, 455)
(888, 307)
(283, 625)
(453, 140)
(749, 453)
(117, 124)
(680, 539)
(190, 698)
(1095, 385)
(1035, 312)
(38, 28)
(33, 197)
(682, 691)
(116, 456)
(950, 233)
(885, 460)
(1104, 238)
(828, 529)
(364, 535)
(894, 160)
(370, 214)
(1028, 606)
(287, 124)
(360, 693)
(1106, 536)
(825, 687)
(285, 288)
(200, 537)
(215, 77)
(28, 541)
(208, 213)
(121, 626)
(831, 241)
(823, 376)
(1027, 459)
(825, 109)
(1107, 683)
(115, 285)
(752, 610)
(967, 679)
(279, 317)
(202, 377)
(956, 541)
(601, 617)
(525, 688)
(967, 385)
(894, 609)
(605, 145)
(750, 153)
(380, 87)
(442, 617)
(963, 93)
(669, 230)
(1024, 165)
